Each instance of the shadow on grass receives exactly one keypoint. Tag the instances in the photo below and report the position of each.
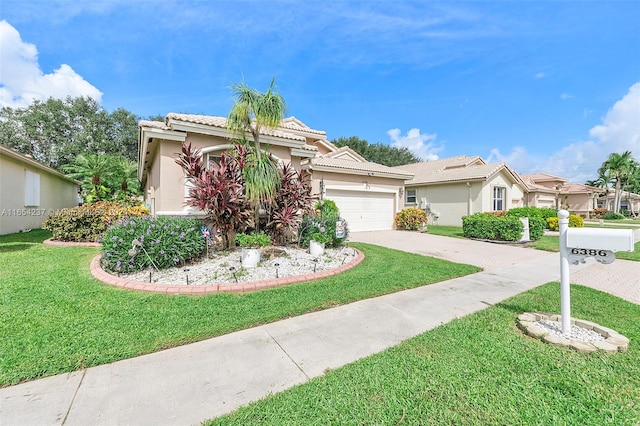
(15, 247)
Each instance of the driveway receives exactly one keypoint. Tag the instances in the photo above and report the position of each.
(621, 278)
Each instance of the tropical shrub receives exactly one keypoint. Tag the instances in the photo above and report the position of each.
(88, 222)
(411, 219)
(137, 243)
(599, 212)
(322, 220)
(292, 199)
(612, 216)
(490, 227)
(218, 190)
(537, 224)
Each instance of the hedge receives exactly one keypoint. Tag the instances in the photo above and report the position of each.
(489, 227)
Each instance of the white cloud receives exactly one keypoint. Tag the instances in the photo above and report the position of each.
(422, 145)
(539, 75)
(566, 96)
(579, 161)
(22, 81)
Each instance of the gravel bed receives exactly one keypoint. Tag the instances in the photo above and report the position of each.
(225, 267)
(576, 333)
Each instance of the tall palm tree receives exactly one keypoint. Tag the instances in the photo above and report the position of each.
(618, 166)
(125, 177)
(254, 112)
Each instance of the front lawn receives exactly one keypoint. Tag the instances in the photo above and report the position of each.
(477, 370)
(57, 318)
(445, 231)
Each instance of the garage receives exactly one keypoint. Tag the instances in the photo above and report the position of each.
(364, 210)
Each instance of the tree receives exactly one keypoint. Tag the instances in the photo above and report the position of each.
(378, 153)
(55, 131)
(603, 181)
(93, 171)
(255, 112)
(618, 166)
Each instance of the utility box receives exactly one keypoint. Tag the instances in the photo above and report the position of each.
(601, 239)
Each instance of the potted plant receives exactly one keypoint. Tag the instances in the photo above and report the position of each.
(251, 245)
(317, 243)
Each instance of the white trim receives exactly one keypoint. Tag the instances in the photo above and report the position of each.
(363, 188)
(340, 170)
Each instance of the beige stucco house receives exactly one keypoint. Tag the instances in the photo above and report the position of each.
(545, 190)
(367, 194)
(628, 201)
(451, 188)
(30, 191)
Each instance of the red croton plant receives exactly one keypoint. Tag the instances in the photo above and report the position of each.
(218, 190)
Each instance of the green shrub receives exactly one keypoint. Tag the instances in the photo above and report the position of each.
(537, 224)
(490, 227)
(548, 212)
(253, 240)
(411, 219)
(612, 216)
(322, 221)
(138, 243)
(575, 221)
(88, 222)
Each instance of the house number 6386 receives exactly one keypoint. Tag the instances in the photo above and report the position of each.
(588, 252)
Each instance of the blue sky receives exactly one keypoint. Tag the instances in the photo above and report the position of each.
(545, 86)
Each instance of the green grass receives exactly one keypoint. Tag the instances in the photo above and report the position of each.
(57, 318)
(445, 231)
(477, 370)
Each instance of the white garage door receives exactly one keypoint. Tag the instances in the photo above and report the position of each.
(364, 210)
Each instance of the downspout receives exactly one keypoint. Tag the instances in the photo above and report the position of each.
(469, 201)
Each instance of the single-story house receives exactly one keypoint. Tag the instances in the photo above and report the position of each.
(30, 191)
(629, 201)
(451, 188)
(545, 190)
(367, 194)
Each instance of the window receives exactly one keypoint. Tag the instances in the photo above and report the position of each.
(213, 158)
(31, 189)
(411, 196)
(498, 198)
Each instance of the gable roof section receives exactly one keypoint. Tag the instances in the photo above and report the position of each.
(5, 150)
(573, 188)
(543, 177)
(422, 171)
(340, 165)
(462, 174)
(346, 153)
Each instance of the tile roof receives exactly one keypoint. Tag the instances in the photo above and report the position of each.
(422, 171)
(221, 122)
(474, 172)
(542, 177)
(154, 124)
(578, 187)
(294, 124)
(342, 164)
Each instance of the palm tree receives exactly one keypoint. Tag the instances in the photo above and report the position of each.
(255, 112)
(93, 171)
(125, 177)
(618, 166)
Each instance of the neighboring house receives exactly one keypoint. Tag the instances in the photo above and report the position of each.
(545, 190)
(629, 201)
(30, 191)
(451, 188)
(367, 194)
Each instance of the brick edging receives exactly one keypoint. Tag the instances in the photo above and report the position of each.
(52, 242)
(243, 287)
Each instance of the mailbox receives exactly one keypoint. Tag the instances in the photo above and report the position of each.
(602, 239)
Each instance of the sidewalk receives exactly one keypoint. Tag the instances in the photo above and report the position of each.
(195, 382)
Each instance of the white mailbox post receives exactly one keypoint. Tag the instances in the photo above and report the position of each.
(576, 245)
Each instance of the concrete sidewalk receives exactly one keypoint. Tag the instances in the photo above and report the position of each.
(195, 382)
